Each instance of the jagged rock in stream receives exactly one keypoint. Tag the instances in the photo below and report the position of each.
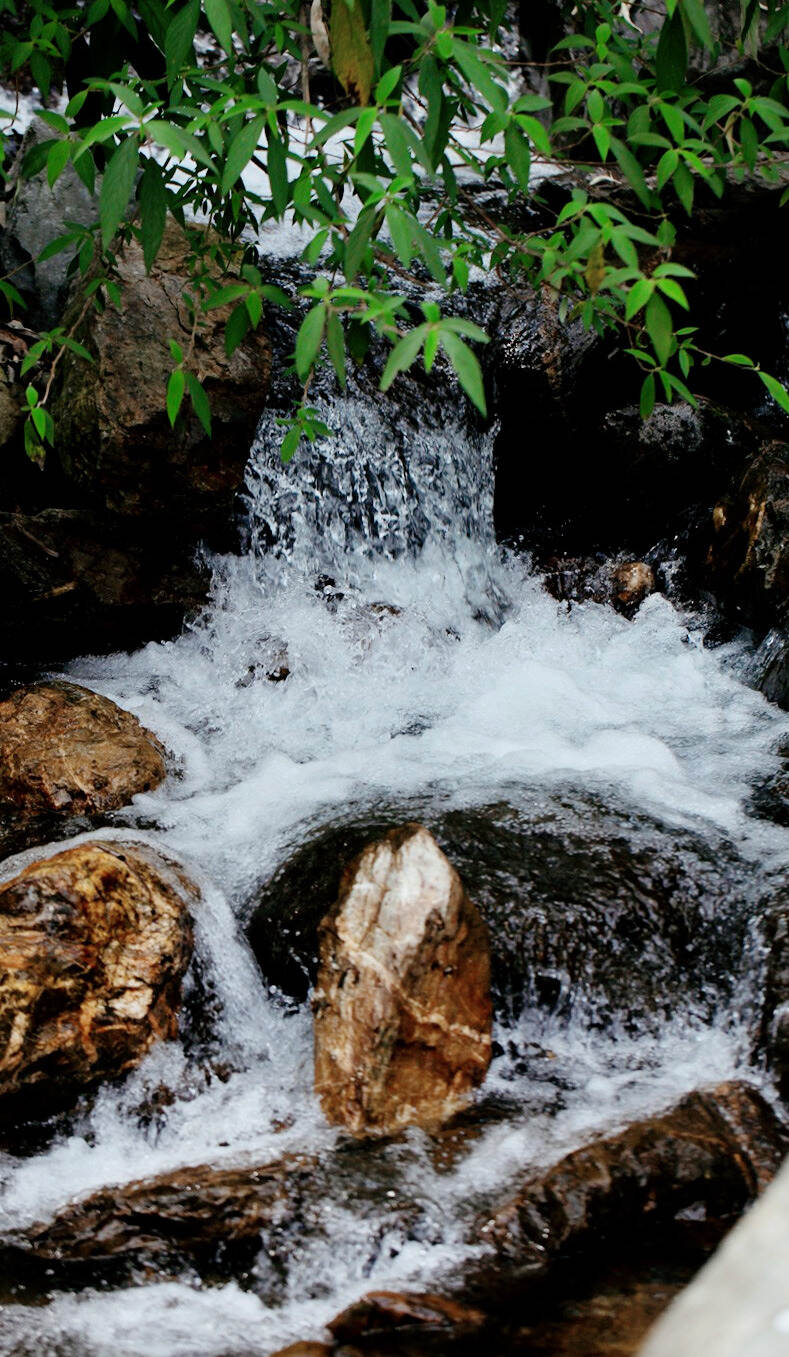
(592, 908)
(67, 752)
(94, 943)
(748, 560)
(113, 436)
(402, 1002)
(710, 1155)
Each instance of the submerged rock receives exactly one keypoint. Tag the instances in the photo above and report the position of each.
(67, 751)
(402, 1002)
(94, 943)
(592, 909)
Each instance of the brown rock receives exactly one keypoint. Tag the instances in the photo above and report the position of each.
(114, 439)
(67, 751)
(306, 1350)
(400, 1314)
(190, 1212)
(632, 582)
(713, 1152)
(402, 1004)
(93, 946)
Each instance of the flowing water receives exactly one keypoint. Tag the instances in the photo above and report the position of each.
(425, 664)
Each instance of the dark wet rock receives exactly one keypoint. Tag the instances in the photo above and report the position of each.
(65, 750)
(748, 560)
(402, 1001)
(113, 436)
(591, 908)
(614, 483)
(710, 1155)
(771, 667)
(193, 1212)
(397, 1315)
(94, 943)
(74, 581)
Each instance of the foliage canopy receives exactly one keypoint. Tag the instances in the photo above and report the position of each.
(371, 123)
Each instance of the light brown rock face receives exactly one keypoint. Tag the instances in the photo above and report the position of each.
(402, 1004)
(65, 750)
(93, 945)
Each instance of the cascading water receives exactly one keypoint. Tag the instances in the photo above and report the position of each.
(425, 668)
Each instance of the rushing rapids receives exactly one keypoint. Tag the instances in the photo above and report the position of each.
(375, 649)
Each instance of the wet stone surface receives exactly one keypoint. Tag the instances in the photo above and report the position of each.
(593, 910)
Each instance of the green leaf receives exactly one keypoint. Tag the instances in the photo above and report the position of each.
(741, 359)
(671, 60)
(241, 150)
(671, 289)
(778, 392)
(666, 166)
(200, 402)
(152, 196)
(218, 15)
(697, 17)
(647, 400)
(57, 161)
(175, 394)
(467, 369)
(351, 54)
(400, 230)
(397, 144)
(638, 296)
(289, 444)
(660, 327)
(176, 352)
(116, 188)
(387, 84)
(310, 338)
(631, 170)
(335, 343)
(403, 354)
(236, 329)
(518, 154)
(277, 167)
(683, 186)
(179, 38)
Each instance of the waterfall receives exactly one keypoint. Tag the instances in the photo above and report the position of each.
(373, 646)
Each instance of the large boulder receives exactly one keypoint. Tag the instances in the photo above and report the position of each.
(94, 943)
(402, 1002)
(66, 752)
(593, 909)
(113, 436)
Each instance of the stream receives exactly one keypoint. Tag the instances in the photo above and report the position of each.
(427, 669)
